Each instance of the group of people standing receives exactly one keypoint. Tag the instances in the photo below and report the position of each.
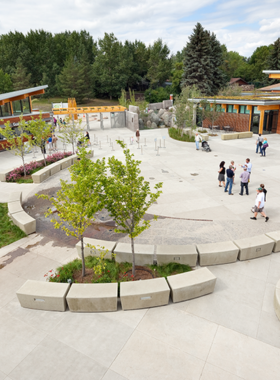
(244, 181)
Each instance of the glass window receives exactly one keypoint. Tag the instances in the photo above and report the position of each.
(25, 106)
(5, 110)
(243, 109)
(17, 107)
(230, 108)
(255, 110)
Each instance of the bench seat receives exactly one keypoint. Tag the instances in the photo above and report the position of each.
(217, 253)
(253, 247)
(100, 246)
(43, 295)
(144, 253)
(188, 285)
(182, 254)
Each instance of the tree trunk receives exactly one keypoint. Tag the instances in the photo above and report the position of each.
(133, 256)
(83, 257)
(22, 156)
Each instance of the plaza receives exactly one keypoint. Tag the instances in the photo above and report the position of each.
(232, 333)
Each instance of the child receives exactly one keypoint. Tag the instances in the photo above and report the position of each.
(233, 169)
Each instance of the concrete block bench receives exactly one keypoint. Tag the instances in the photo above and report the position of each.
(93, 297)
(41, 175)
(4, 174)
(55, 167)
(66, 162)
(217, 253)
(244, 135)
(144, 253)
(275, 235)
(229, 136)
(143, 294)
(186, 286)
(253, 247)
(277, 299)
(100, 246)
(43, 295)
(20, 218)
(24, 221)
(182, 254)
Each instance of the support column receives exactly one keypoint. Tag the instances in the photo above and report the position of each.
(87, 121)
(261, 121)
(101, 120)
(250, 108)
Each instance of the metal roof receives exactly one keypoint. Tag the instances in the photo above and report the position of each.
(14, 94)
(269, 102)
(271, 71)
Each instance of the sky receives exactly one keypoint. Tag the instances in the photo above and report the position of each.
(242, 25)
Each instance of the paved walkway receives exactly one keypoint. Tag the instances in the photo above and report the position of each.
(230, 334)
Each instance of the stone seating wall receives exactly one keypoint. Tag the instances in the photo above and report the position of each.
(19, 217)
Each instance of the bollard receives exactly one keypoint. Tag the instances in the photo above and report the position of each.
(138, 146)
(113, 147)
(155, 144)
(158, 152)
(164, 142)
(141, 149)
(160, 143)
(145, 142)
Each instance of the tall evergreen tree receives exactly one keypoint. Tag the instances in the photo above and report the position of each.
(6, 84)
(74, 80)
(202, 56)
(20, 78)
(159, 63)
(273, 61)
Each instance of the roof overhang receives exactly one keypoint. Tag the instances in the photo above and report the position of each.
(272, 73)
(239, 101)
(22, 94)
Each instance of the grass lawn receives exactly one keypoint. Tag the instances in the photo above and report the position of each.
(46, 104)
(8, 231)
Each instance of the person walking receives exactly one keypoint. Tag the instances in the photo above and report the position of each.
(259, 205)
(230, 175)
(197, 139)
(87, 138)
(259, 143)
(234, 169)
(264, 191)
(263, 147)
(222, 172)
(54, 141)
(50, 146)
(244, 181)
(138, 136)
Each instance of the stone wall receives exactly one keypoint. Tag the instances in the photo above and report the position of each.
(238, 121)
(163, 105)
(134, 109)
(132, 120)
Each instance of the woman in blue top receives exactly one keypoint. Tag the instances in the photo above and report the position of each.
(264, 146)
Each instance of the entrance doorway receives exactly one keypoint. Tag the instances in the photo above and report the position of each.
(255, 124)
(270, 122)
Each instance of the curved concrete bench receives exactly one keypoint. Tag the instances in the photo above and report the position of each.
(188, 285)
(19, 217)
(43, 295)
(41, 175)
(244, 135)
(143, 294)
(144, 253)
(229, 136)
(277, 299)
(93, 297)
(275, 235)
(217, 253)
(253, 247)
(182, 254)
(100, 246)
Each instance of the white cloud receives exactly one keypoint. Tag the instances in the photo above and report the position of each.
(241, 25)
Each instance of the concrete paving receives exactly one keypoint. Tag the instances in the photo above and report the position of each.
(230, 334)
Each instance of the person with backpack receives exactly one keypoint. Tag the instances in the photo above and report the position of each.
(259, 143)
(263, 148)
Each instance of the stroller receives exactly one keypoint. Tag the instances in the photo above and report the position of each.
(205, 146)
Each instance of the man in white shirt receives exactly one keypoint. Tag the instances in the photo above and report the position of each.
(247, 165)
(197, 138)
(259, 205)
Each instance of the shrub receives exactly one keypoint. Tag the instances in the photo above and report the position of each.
(176, 134)
(157, 95)
(50, 159)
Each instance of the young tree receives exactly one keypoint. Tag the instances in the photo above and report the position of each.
(6, 84)
(20, 78)
(128, 196)
(40, 131)
(184, 107)
(72, 132)
(16, 139)
(78, 201)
